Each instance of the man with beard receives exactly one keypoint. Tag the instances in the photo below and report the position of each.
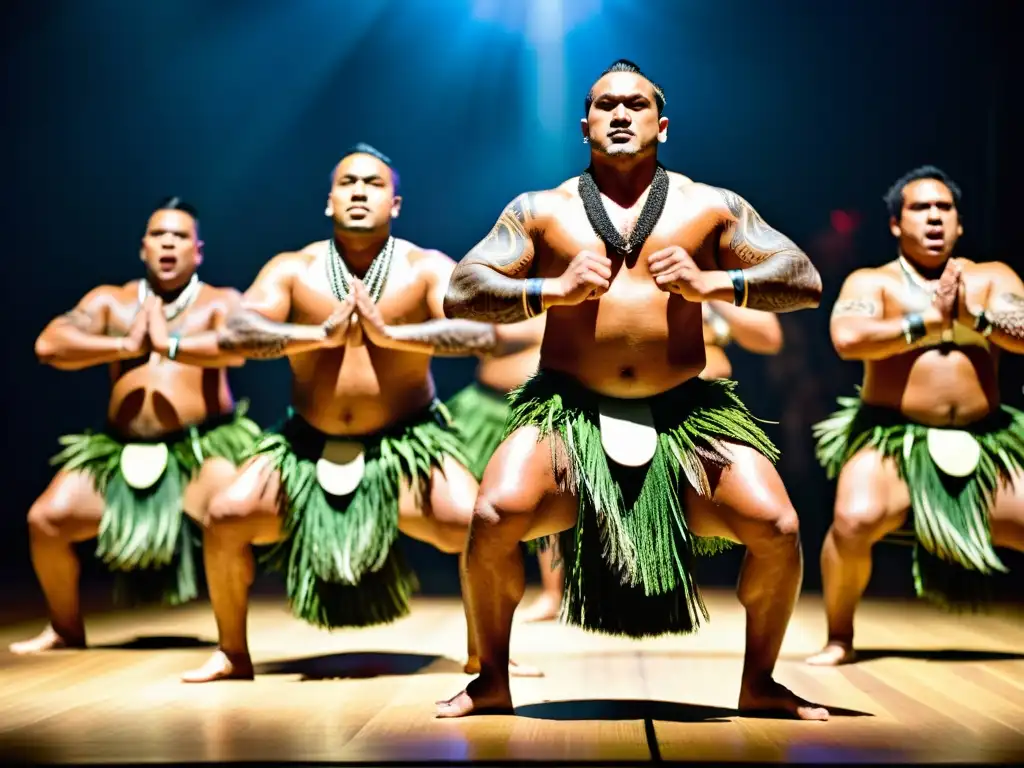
(173, 434)
(926, 434)
(617, 444)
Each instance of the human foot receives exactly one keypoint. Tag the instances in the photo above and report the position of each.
(515, 669)
(221, 666)
(481, 697)
(771, 698)
(544, 608)
(833, 654)
(47, 640)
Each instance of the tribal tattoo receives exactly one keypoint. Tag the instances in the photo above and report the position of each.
(449, 337)
(780, 276)
(1009, 317)
(855, 308)
(81, 320)
(252, 335)
(487, 284)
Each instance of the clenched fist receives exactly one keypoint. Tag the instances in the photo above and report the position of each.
(588, 276)
(674, 271)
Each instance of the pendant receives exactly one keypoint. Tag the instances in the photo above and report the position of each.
(627, 431)
(341, 466)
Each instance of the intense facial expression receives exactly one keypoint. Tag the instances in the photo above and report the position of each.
(929, 224)
(623, 118)
(171, 248)
(363, 196)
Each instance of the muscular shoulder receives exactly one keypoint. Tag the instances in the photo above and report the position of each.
(430, 263)
(108, 295)
(539, 206)
(289, 263)
(221, 295)
(996, 270)
(869, 279)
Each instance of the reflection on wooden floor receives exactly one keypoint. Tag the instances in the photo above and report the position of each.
(931, 687)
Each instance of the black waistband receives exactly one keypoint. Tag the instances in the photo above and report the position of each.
(211, 422)
(307, 439)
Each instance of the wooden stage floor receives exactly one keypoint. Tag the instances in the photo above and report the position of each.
(931, 688)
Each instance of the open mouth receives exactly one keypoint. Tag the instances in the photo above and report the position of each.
(167, 262)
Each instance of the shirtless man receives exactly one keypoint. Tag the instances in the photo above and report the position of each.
(481, 409)
(618, 442)
(367, 450)
(172, 439)
(928, 433)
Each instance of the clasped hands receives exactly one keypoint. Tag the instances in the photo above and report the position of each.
(358, 314)
(148, 331)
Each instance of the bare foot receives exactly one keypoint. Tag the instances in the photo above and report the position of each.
(544, 608)
(515, 669)
(833, 654)
(770, 698)
(221, 666)
(479, 698)
(47, 640)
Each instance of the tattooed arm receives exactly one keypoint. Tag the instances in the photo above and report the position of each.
(255, 327)
(79, 339)
(779, 276)
(1004, 309)
(439, 336)
(488, 284)
(859, 328)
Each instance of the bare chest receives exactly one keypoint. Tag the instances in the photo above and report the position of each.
(682, 223)
(904, 295)
(197, 317)
(315, 296)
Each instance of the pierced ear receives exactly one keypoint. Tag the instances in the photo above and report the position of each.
(329, 210)
(585, 129)
(663, 130)
(396, 206)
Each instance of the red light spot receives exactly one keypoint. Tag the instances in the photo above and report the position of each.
(844, 222)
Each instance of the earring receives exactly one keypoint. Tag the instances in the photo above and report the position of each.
(586, 139)
(327, 211)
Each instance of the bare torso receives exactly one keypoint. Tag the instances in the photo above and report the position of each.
(153, 396)
(360, 388)
(935, 384)
(506, 372)
(636, 340)
(717, 361)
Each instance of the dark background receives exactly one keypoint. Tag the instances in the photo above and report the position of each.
(808, 109)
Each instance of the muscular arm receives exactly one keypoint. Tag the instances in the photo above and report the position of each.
(78, 339)
(438, 336)
(858, 329)
(755, 331)
(255, 327)
(487, 284)
(780, 277)
(1005, 309)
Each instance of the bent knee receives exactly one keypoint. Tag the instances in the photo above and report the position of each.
(47, 520)
(776, 528)
(860, 523)
(228, 507)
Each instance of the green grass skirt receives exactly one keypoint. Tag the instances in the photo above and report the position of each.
(145, 537)
(338, 555)
(629, 560)
(952, 544)
(479, 414)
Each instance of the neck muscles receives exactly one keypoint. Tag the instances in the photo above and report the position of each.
(622, 183)
(928, 273)
(359, 250)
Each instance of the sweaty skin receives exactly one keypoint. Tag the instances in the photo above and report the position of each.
(150, 396)
(356, 368)
(941, 385)
(629, 328)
